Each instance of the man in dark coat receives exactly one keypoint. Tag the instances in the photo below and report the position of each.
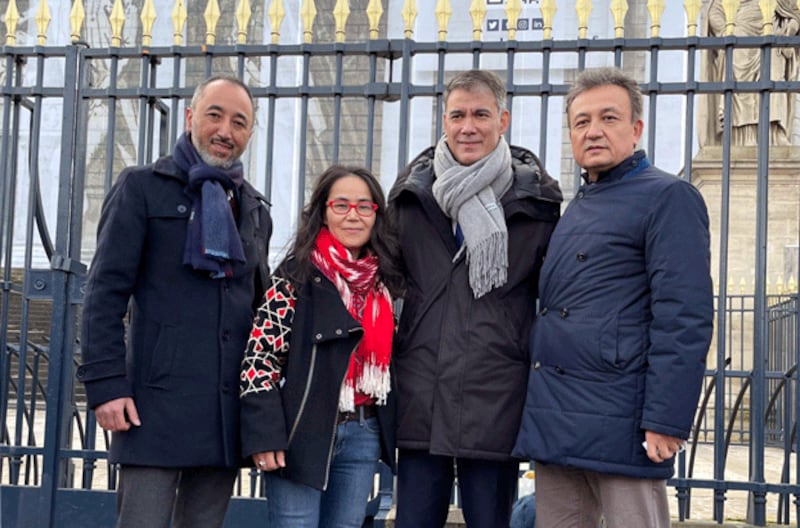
(182, 247)
(474, 216)
(625, 320)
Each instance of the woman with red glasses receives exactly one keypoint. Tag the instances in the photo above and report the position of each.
(317, 407)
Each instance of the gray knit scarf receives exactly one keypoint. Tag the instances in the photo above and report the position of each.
(471, 194)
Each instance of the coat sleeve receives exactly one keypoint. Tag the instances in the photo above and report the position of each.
(678, 267)
(121, 236)
(262, 419)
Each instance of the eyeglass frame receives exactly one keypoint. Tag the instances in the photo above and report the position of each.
(354, 206)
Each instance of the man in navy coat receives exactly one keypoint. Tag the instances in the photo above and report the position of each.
(619, 344)
(182, 248)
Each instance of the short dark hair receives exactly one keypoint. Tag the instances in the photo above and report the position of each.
(198, 92)
(383, 240)
(474, 79)
(596, 77)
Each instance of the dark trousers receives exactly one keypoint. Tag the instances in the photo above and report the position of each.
(187, 498)
(424, 484)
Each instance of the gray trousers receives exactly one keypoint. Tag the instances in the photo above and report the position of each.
(576, 498)
(187, 497)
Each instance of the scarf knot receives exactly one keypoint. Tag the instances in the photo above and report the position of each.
(470, 194)
(369, 302)
(212, 238)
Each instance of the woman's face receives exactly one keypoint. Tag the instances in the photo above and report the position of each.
(353, 227)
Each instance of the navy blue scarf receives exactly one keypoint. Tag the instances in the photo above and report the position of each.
(212, 239)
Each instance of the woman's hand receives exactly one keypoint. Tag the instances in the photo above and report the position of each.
(269, 460)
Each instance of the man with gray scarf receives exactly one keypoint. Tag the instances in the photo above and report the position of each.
(474, 217)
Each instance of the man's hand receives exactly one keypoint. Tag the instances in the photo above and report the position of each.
(117, 415)
(269, 460)
(661, 447)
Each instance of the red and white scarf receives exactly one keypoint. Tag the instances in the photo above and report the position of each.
(368, 301)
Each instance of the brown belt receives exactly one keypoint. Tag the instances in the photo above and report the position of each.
(362, 412)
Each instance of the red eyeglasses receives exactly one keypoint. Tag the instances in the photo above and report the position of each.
(363, 208)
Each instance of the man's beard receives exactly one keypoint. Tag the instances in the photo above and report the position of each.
(214, 161)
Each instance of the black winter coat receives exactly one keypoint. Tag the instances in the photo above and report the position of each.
(186, 331)
(462, 364)
(294, 366)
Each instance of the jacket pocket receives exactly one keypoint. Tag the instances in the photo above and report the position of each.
(623, 345)
(160, 346)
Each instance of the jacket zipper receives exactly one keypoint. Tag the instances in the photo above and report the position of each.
(333, 431)
(305, 393)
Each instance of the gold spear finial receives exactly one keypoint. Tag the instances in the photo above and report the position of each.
(584, 9)
(443, 12)
(117, 19)
(148, 18)
(276, 14)
(477, 10)
(548, 9)
(374, 13)
(767, 10)
(730, 7)
(76, 17)
(341, 12)
(11, 19)
(656, 9)
(308, 12)
(243, 14)
(409, 13)
(178, 20)
(618, 10)
(43, 19)
(513, 9)
(211, 16)
(692, 8)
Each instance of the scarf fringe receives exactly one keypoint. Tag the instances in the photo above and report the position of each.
(375, 382)
(488, 263)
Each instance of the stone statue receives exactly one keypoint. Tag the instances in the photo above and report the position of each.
(747, 67)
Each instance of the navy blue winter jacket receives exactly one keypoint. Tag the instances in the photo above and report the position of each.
(625, 321)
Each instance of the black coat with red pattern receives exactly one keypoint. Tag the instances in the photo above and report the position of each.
(294, 365)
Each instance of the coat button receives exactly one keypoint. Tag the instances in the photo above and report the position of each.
(226, 336)
(560, 370)
(543, 312)
(182, 208)
(564, 313)
(317, 280)
(338, 331)
(318, 337)
(580, 195)
(581, 257)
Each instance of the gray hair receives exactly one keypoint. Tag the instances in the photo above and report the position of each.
(596, 77)
(198, 92)
(476, 79)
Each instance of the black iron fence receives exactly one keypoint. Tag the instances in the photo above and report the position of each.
(362, 87)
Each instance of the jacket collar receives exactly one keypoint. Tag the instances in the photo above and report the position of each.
(617, 173)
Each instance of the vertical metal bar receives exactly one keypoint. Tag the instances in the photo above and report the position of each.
(691, 86)
(373, 76)
(757, 500)
(722, 295)
(653, 102)
(405, 104)
(270, 142)
(176, 121)
(63, 317)
(301, 177)
(337, 103)
(545, 101)
(142, 149)
(440, 87)
(511, 47)
(112, 124)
